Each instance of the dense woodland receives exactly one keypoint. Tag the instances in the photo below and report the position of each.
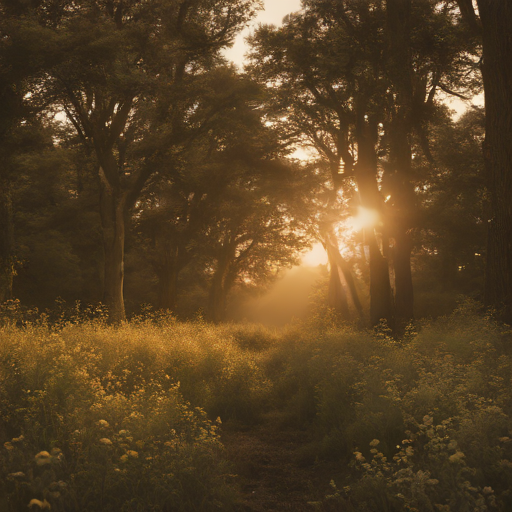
(143, 177)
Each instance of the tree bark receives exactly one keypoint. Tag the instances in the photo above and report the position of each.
(400, 70)
(113, 212)
(496, 20)
(404, 291)
(220, 284)
(6, 244)
(337, 296)
(381, 297)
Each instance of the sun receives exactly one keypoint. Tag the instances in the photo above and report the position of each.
(365, 218)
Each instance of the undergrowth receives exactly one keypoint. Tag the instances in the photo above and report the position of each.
(106, 418)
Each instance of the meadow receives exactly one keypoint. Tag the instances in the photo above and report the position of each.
(129, 418)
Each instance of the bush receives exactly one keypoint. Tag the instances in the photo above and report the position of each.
(94, 418)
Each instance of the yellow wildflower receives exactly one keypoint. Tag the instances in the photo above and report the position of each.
(43, 458)
(456, 457)
(17, 475)
(38, 503)
(359, 456)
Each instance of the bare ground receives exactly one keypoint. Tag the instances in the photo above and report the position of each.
(272, 471)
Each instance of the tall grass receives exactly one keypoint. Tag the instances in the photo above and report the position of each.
(100, 418)
(125, 418)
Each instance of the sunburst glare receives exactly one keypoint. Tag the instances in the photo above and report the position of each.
(365, 218)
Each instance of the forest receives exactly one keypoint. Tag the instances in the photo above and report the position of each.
(153, 195)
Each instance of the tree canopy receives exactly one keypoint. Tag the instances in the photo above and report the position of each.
(124, 123)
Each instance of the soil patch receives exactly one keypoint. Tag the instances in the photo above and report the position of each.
(272, 471)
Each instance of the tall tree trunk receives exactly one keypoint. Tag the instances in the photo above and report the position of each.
(400, 69)
(113, 220)
(6, 244)
(404, 291)
(381, 297)
(496, 21)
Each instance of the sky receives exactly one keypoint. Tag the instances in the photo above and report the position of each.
(274, 11)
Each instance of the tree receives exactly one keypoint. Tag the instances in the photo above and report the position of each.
(375, 69)
(13, 82)
(492, 24)
(256, 229)
(450, 248)
(219, 204)
(114, 60)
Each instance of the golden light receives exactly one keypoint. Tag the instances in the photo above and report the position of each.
(365, 218)
(316, 256)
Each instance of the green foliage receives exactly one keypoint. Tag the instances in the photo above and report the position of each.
(426, 420)
(102, 421)
(102, 418)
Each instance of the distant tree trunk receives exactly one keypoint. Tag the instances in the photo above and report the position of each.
(6, 244)
(168, 279)
(113, 212)
(338, 264)
(337, 297)
(496, 21)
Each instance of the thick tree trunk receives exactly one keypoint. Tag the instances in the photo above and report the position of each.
(404, 291)
(113, 220)
(381, 297)
(220, 285)
(217, 302)
(400, 69)
(496, 19)
(6, 245)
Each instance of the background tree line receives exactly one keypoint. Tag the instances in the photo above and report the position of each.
(174, 169)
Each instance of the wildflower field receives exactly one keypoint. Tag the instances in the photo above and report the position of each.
(131, 418)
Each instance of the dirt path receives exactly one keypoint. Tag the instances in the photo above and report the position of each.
(271, 472)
